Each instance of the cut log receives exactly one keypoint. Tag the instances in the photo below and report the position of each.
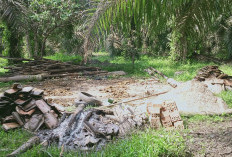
(22, 78)
(171, 81)
(74, 69)
(28, 145)
(88, 99)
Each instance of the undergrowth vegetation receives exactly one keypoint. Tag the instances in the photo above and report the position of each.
(227, 97)
(140, 143)
(65, 58)
(177, 70)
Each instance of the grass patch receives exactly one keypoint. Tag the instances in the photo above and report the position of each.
(227, 97)
(3, 63)
(205, 118)
(188, 70)
(65, 58)
(12, 140)
(141, 143)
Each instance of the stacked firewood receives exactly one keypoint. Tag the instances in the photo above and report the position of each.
(48, 67)
(26, 107)
(164, 114)
(210, 72)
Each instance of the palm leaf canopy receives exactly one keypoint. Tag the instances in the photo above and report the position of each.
(190, 17)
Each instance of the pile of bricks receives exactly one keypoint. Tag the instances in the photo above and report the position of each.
(26, 107)
(164, 114)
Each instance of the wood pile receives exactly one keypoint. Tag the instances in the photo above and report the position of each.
(210, 72)
(164, 114)
(49, 67)
(26, 107)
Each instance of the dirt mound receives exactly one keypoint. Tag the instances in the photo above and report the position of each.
(192, 97)
(195, 97)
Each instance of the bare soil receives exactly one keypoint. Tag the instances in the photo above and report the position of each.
(210, 139)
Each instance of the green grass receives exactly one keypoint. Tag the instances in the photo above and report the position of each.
(3, 63)
(12, 140)
(163, 64)
(140, 143)
(205, 118)
(227, 97)
(65, 58)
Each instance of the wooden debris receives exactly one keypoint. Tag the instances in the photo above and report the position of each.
(210, 72)
(18, 118)
(50, 120)
(28, 108)
(43, 106)
(45, 68)
(171, 81)
(10, 126)
(87, 99)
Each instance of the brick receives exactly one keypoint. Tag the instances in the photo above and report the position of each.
(175, 116)
(155, 122)
(164, 114)
(167, 124)
(179, 125)
(169, 106)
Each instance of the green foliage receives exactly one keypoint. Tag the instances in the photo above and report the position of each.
(3, 63)
(227, 97)
(161, 16)
(65, 57)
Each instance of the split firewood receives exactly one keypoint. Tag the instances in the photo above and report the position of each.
(87, 99)
(73, 69)
(26, 146)
(171, 81)
(74, 117)
(96, 132)
(9, 126)
(18, 118)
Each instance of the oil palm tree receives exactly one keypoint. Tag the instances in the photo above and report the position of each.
(188, 20)
(13, 15)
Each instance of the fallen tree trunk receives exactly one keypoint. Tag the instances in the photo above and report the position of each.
(19, 78)
(75, 69)
(29, 144)
(22, 78)
(171, 81)
(15, 59)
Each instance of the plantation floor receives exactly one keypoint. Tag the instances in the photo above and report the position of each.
(210, 138)
(205, 136)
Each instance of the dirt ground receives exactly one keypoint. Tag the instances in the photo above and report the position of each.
(206, 138)
(210, 139)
